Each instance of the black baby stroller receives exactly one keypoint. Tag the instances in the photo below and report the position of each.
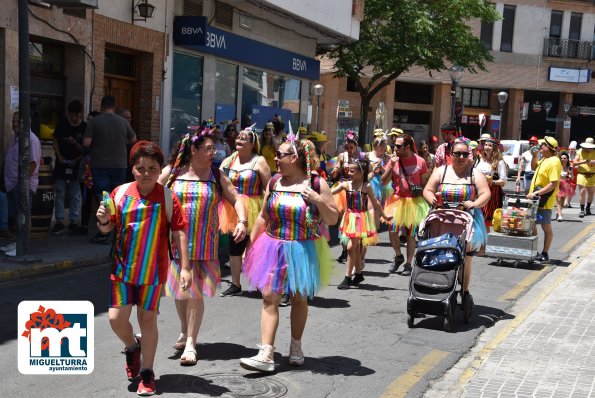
(439, 257)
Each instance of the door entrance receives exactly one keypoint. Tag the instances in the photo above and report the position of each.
(121, 82)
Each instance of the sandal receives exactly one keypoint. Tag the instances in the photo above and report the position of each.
(180, 344)
(188, 358)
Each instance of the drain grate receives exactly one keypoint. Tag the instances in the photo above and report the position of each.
(238, 386)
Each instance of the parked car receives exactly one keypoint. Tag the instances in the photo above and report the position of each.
(512, 150)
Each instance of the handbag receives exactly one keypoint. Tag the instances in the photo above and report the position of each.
(414, 189)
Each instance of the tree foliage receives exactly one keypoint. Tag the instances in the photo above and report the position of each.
(397, 35)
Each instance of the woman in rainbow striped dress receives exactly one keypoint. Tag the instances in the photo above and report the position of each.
(288, 255)
(200, 188)
(249, 173)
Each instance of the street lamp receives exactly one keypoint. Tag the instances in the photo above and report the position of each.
(502, 97)
(456, 74)
(318, 89)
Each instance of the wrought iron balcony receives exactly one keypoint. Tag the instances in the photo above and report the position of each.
(563, 48)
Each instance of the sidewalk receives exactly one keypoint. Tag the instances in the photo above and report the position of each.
(55, 253)
(545, 350)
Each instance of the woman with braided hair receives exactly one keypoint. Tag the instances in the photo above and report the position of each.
(288, 255)
(249, 173)
(200, 187)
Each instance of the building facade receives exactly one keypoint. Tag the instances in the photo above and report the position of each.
(543, 59)
(254, 59)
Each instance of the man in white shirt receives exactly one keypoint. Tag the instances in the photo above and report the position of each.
(525, 164)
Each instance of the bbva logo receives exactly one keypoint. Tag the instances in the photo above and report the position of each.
(56, 337)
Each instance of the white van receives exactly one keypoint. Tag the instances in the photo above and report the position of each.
(512, 154)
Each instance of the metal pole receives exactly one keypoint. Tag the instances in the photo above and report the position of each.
(500, 124)
(453, 95)
(23, 216)
(317, 111)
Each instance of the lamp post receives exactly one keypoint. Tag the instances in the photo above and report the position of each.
(456, 74)
(318, 90)
(502, 97)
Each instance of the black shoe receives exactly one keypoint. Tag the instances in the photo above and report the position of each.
(542, 258)
(343, 257)
(285, 300)
(357, 279)
(345, 284)
(406, 270)
(569, 206)
(398, 261)
(232, 290)
(58, 228)
(581, 214)
(99, 239)
(588, 212)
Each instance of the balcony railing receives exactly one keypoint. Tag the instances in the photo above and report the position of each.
(561, 48)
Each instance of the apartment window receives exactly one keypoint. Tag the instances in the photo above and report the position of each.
(576, 21)
(413, 93)
(556, 24)
(507, 28)
(486, 34)
(352, 85)
(475, 97)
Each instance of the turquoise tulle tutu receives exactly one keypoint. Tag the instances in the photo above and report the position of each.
(381, 192)
(288, 266)
(480, 233)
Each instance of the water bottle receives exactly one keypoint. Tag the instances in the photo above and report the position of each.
(517, 187)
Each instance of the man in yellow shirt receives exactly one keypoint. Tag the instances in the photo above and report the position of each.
(585, 160)
(545, 186)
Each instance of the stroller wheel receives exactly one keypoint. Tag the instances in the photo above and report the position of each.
(410, 320)
(467, 308)
(447, 322)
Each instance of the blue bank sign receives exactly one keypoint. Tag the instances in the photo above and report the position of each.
(195, 33)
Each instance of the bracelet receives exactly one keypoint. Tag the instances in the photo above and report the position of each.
(243, 222)
(103, 224)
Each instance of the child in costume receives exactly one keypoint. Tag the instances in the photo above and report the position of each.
(142, 213)
(200, 187)
(357, 228)
(249, 174)
(288, 255)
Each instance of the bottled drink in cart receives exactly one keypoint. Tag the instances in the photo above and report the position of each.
(517, 187)
(439, 201)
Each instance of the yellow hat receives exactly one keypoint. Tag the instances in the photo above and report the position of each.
(473, 144)
(396, 131)
(317, 137)
(378, 133)
(551, 142)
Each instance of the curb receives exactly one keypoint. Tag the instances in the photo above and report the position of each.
(48, 268)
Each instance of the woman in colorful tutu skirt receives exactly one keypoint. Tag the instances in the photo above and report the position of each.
(357, 228)
(408, 173)
(378, 160)
(249, 173)
(341, 172)
(493, 167)
(566, 189)
(288, 255)
(462, 183)
(200, 187)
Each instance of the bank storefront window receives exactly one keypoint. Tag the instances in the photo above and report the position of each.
(226, 86)
(266, 94)
(186, 95)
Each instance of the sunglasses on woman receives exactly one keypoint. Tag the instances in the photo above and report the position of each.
(460, 154)
(281, 155)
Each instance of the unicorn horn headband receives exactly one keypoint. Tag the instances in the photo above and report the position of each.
(292, 138)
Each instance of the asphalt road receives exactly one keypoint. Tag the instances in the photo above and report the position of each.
(357, 343)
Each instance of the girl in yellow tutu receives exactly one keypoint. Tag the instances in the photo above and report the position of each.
(341, 171)
(249, 173)
(357, 228)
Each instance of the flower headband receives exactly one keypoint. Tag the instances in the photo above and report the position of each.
(351, 136)
(463, 140)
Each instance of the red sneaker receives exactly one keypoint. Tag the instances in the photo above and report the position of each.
(133, 362)
(146, 386)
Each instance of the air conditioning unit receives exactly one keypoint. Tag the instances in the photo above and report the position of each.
(345, 113)
(73, 3)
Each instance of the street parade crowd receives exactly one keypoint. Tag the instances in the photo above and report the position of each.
(272, 194)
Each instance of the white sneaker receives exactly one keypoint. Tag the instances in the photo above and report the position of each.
(262, 362)
(296, 356)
